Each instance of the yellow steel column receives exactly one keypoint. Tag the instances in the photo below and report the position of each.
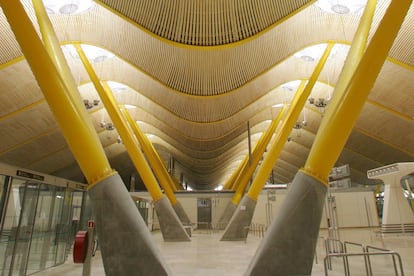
(230, 183)
(287, 125)
(257, 154)
(153, 158)
(52, 46)
(84, 142)
(158, 167)
(124, 131)
(348, 97)
(292, 238)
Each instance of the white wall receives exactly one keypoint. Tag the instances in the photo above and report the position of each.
(219, 202)
(354, 208)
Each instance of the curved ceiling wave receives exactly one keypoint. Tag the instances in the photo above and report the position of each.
(205, 23)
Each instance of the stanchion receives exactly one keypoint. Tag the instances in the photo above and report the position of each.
(84, 247)
(88, 259)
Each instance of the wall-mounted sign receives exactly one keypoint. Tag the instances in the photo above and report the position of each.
(30, 175)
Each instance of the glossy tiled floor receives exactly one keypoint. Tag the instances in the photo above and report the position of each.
(206, 255)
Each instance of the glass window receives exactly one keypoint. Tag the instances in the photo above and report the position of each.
(10, 225)
(29, 194)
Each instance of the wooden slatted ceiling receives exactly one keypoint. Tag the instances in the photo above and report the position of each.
(215, 70)
(205, 23)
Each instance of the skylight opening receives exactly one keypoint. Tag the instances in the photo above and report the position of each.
(94, 54)
(342, 6)
(68, 7)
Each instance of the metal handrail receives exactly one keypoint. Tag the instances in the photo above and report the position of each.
(366, 258)
(328, 249)
(344, 255)
(368, 247)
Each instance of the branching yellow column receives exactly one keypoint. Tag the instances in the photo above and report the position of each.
(84, 142)
(124, 131)
(257, 155)
(157, 166)
(244, 213)
(152, 156)
(171, 227)
(292, 237)
(246, 169)
(230, 183)
(314, 165)
(287, 125)
(106, 189)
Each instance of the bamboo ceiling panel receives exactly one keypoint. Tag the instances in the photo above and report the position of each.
(206, 23)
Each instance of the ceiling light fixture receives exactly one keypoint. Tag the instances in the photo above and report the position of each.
(67, 7)
(311, 53)
(94, 54)
(320, 103)
(116, 86)
(342, 6)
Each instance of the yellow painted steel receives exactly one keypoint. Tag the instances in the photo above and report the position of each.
(74, 122)
(124, 130)
(230, 183)
(247, 171)
(153, 158)
(353, 88)
(291, 117)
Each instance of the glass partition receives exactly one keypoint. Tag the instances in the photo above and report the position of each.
(39, 225)
(10, 225)
(4, 188)
(29, 195)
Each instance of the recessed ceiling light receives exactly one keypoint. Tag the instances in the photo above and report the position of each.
(129, 106)
(67, 7)
(307, 58)
(340, 9)
(342, 6)
(311, 53)
(116, 86)
(94, 54)
(291, 86)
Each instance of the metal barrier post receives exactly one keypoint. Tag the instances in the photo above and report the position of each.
(88, 259)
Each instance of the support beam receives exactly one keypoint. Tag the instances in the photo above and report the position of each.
(158, 167)
(292, 251)
(84, 144)
(171, 227)
(248, 168)
(244, 212)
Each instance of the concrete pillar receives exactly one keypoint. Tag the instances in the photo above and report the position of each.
(171, 227)
(397, 214)
(288, 247)
(126, 245)
(182, 215)
(239, 224)
(226, 216)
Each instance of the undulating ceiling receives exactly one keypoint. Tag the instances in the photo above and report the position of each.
(196, 74)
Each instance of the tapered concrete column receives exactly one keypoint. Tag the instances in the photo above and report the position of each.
(158, 168)
(289, 244)
(246, 170)
(238, 226)
(126, 245)
(227, 214)
(240, 219)
(292, 237)
(397, 213)
(182, 215)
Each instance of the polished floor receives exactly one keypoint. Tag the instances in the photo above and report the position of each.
(206, 255)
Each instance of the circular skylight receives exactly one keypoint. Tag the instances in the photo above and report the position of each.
(342, 6)
(67, 7)
(94, 54)
(311, 53)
